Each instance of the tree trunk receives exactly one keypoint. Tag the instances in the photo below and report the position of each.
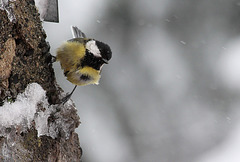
(25, 59)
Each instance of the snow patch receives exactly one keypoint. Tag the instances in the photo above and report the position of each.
(23, 109)
(31, 108)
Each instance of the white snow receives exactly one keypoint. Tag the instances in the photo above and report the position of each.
(41, 121)
(23, 109)
(184, 43)
(32, 106)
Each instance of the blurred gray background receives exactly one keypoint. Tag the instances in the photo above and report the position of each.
(171, 91)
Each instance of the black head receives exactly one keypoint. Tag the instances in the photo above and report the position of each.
(105, 50)
(97, 54)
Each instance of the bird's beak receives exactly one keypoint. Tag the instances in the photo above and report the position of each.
(105, 61)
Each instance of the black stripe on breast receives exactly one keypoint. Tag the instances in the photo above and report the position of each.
(85, 77)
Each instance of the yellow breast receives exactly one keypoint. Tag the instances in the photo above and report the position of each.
(69, 54)
(75, 77)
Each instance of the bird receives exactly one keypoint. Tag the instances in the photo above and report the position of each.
(82, 59)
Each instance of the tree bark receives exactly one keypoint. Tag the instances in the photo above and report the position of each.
(25, 59)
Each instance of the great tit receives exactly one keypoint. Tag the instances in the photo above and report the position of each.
(82, 59)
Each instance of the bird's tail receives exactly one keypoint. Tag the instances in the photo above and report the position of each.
(77, 33)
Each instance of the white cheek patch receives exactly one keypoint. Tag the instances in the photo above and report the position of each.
(92, 47)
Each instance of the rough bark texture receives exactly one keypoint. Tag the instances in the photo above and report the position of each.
(24, 59)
